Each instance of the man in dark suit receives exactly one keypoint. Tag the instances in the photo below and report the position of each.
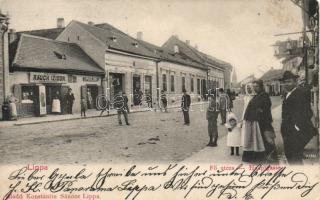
(185, 106)
(70, 99)
(296, 127)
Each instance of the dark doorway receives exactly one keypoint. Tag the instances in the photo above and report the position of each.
(52, 92)
(137, 93)
(116, 84)
(92, 92)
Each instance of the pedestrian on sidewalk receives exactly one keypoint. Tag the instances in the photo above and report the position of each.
(258, 133)
(56, 103)
(164, 101)
(224, 102)
(296, 127)
(212, 116)
(83, 105)
(185, 106)
(70, 100)
(234, 134)
(104, 104)
(121, 105)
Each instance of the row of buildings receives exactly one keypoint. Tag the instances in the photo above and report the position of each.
(99, 59)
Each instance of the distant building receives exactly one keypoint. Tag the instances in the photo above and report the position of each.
(219, 72)
(271, 82)
(234, 80)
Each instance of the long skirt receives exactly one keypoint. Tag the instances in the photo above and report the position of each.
(251, 137)
(252, 142)
(13, 111)
(56, 107)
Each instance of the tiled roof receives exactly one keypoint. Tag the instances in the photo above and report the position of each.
(122, 41)
(272, 74)
(51, 33)
(193, 53)
(169, 56)
(45, 54)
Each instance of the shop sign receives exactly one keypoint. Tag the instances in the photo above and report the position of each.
(38, 77)
(90, 79)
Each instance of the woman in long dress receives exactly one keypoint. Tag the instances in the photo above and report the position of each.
(257, 120)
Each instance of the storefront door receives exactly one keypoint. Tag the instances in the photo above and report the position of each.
(116, 84)
(52, 91)
(137, 93)
(148, 89)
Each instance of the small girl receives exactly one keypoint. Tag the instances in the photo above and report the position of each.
(83, 106)
(234, 134)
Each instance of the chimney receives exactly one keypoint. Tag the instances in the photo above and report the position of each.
(12, 35)
(188, 42)
(196, 46)
(60, 23)
(139, 35)
(176, 48)
(90, 23)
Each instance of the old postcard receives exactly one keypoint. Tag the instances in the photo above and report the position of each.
(159, 99)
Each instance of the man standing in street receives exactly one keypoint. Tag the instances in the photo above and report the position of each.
(185, 106)
(223, 105)
(121, 105)
(70, 100)
(296, 127)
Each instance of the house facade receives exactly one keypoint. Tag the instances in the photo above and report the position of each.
(43, 70)
(128, 66)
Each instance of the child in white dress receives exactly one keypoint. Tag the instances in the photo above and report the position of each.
(234, 134)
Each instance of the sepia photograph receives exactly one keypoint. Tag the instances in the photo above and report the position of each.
(220, 85)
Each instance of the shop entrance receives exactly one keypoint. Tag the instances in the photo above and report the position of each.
(137, 93)
(92, 94)
(116, 83)
(56, 92)
(148, 90)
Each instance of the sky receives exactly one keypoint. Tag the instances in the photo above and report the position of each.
(240, 32)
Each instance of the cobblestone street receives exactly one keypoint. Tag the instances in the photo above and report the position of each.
(151, 137)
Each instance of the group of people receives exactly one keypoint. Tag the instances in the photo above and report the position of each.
(68, 99)
(255, 133)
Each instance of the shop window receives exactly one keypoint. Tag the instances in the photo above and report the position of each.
(172, 83)
(27, 94)
(164, 82)
(198, 86)
(183, 83)
(192, 86)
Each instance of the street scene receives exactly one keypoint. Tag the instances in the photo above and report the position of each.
(85, 85)
(151, 137)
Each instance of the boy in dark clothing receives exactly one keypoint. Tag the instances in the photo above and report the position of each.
(121, 104)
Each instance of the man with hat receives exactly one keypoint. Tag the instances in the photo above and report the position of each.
(70, 99)
(185, 106)
(296, 127)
